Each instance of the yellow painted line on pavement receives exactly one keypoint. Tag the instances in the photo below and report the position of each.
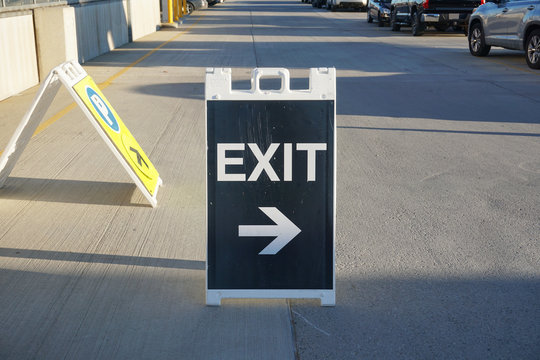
(121, 72)
(53, 118)
(45, 124)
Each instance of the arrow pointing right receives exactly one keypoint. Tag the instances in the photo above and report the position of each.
(285, 230)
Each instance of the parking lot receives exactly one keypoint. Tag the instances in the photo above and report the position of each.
(438, 201)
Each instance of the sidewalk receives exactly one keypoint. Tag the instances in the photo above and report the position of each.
(88, 269)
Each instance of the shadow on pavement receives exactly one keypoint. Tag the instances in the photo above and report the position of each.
(94, 311)
(69, 191)
(423, 318)
(196, 90)
(102, 258)
(396, 95)
(440, 131)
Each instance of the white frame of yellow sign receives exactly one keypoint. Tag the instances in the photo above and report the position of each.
(111, 129)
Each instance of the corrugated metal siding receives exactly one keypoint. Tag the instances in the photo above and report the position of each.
(18, 63)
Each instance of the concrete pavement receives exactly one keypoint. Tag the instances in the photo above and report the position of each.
(88, 269)
(438, 202)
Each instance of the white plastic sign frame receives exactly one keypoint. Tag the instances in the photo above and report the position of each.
(69, 74)
(322, 86)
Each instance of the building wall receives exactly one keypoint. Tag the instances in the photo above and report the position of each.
(56, 39)
(18, 60)
(145, 16)
(32, 42)
(101, 27)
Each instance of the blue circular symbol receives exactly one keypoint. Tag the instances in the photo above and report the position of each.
(103, 110)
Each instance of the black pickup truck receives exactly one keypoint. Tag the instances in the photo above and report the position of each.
(438, 13)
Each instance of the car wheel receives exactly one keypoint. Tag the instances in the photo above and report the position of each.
(369, 18)
(417, 27)
(477, 43)
(533, 50)
(393, 21)
(189, 7)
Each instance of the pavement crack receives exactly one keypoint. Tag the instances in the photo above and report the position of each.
(433, 176)
(253, 39)
(310, 323)
(496, 84)
(293, 330)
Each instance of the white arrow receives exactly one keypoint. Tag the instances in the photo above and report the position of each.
(285, 230)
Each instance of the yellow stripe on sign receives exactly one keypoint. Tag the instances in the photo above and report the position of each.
(107, 118)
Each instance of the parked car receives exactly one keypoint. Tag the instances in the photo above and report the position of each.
(318, 3)
(439, 13)
(358, 5)
(511, 24)
(192, 5)
(378, 10)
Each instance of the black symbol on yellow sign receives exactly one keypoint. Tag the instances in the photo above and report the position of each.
(140, 159)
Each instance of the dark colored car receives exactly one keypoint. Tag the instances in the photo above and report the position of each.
(441, 14)
(318, 3)
(378, 10)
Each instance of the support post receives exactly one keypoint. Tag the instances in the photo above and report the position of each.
(176, 10)
(170, 11)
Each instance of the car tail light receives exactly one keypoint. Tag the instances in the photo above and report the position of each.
(425, 5)
(482, 2)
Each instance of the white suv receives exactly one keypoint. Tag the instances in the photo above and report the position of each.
(346, 4)
(512, 24)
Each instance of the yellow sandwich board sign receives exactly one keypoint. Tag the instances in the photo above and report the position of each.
(102, 116)
(117, 132)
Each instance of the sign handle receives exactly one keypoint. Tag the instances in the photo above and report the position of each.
(282, 73)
